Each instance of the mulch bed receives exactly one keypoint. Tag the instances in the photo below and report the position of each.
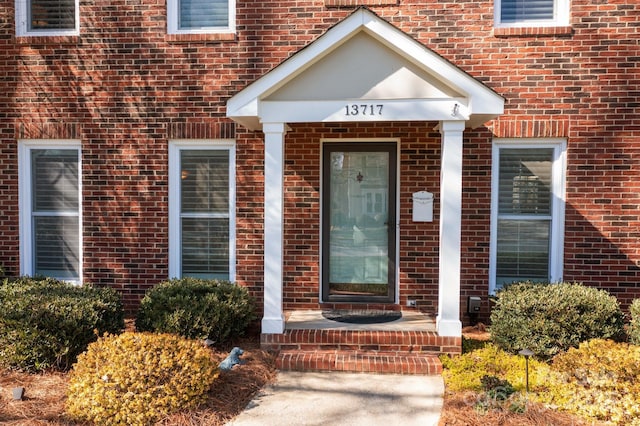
(459, 411)
(44, 398)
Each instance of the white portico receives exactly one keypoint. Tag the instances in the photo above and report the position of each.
(365, 70)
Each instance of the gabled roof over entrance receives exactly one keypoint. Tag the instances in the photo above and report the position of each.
(364, 69)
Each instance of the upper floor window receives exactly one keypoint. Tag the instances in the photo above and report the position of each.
(531, 13)
(200, 16)
(47, 17)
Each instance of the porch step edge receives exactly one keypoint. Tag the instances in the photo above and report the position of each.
(360, 362)
(398, 342)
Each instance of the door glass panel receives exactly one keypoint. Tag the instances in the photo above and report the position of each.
(358, 223)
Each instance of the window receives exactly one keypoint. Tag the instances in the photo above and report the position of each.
(50, 221)
(200, 16)
(47, 17)
(202, 209)
(527, 211)
(532, 13)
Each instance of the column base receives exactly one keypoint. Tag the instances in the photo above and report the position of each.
(273, 325)
(448, 327)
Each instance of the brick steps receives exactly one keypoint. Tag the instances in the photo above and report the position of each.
(373, 351)
(352, 361)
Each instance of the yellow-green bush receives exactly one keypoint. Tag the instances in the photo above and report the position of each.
(138, 378)
(465, 372)
(599, 380)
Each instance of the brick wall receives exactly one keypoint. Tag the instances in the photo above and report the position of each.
(124, 88)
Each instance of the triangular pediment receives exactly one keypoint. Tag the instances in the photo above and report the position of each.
(363, 68)
(364, 60)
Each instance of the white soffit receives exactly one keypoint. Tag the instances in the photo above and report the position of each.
(364, 69)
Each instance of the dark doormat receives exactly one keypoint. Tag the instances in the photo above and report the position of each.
(362, 316)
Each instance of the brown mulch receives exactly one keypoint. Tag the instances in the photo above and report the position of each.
(459, 411)
(44, 398)
(476, 332)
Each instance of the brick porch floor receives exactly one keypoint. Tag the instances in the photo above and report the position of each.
(409, 345)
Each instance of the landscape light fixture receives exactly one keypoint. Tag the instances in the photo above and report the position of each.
(526, 353)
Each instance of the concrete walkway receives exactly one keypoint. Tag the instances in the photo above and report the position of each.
(346, 399)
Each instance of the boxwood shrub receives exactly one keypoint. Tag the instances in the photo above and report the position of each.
(551, 318)
(634, 326)
(196, 308)
(46, 323)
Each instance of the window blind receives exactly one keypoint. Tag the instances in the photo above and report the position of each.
(205, 213)
(55, 212)
(55, 180)
(526, 10)
(523, 250)
(205, 181)
(51, 14)
(525, 181)
(203, 14)
(57, 246)
(524, 214)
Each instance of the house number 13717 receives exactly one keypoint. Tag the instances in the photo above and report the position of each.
(363, 109)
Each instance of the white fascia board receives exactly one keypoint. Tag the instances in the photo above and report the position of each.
(363, 110)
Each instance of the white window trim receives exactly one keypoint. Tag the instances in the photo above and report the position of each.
(558, 190)
(560, 11)
(25, 197)
(22, 24)
(175, 147)
(172, 21)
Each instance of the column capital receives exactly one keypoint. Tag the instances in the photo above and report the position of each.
(274, 128)
(452, 126)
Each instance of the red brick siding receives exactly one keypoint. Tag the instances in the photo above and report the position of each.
(124, 88)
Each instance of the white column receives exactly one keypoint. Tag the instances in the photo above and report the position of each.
(273, 320)
(448, 320)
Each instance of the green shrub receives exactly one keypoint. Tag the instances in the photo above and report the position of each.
(139, 378)
(466, 372)
(551, 318)
(46, 323)
(197, 309)
(634, 326)
(599, 380)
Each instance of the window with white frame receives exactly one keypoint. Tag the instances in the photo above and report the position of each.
(527, 211)
(200, 16)
(50, 206)
(202, 209)
(531, 13)
(47, 17)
